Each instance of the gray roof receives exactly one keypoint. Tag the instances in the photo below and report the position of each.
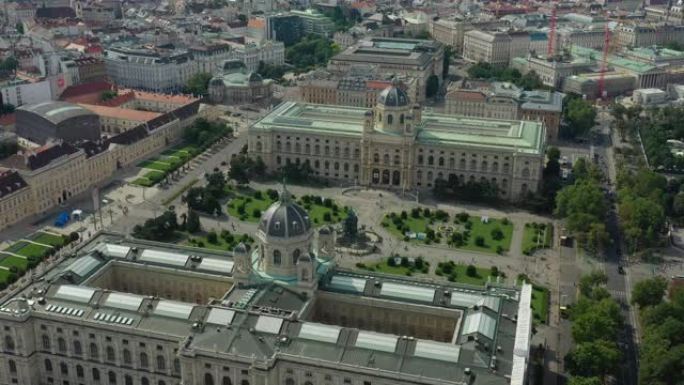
(285, 218)
(57, 112)
(393, 97)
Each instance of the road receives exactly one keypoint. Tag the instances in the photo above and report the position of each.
(619, 285)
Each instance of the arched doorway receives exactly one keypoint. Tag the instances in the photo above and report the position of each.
(376, 176)
(385, 177)
(396, 178)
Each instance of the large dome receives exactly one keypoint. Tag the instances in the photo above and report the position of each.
(393, 96)
(285, 218)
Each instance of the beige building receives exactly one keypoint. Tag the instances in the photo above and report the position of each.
(449, 32)
(59, 171)
(489, 47)
(130, 312)
(639, 34)
(506, 101)
(396, 145)
(349, 91)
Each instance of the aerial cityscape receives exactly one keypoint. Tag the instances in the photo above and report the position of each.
(362, 192)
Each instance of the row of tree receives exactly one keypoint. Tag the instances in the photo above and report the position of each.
(579, 116)
(207, 199)
(310, 52)
(656, 127)
(204, 133)
(596, 325)
(583, 207)
(661, 358)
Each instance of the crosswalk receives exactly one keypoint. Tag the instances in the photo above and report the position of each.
(618, 294)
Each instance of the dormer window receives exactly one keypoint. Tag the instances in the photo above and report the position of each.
(277, 225)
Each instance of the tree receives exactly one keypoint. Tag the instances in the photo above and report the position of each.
(432, 86)
(198, 84)
(108, 95)
(530, 81)
(193, 223)
(448, 55)
(589, 281)
(9, 64)
(580, 116)
(594, 358)
(20, 28)
(649, 292)
(471, 271)
(310, 52)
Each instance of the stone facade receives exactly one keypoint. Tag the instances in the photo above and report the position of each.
(393, 146)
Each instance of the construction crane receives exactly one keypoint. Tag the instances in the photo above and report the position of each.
(604, 63)
(550, 49)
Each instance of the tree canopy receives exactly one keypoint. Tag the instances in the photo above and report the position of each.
(482, 70)
(198, 84)
(310, 52)
(649, 292)
(580, 116)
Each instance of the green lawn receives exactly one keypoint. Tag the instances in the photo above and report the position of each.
(156, 165)
(536, 236)
(416, 225)
(10, 260)
(384, 267)
(48, 239)
(149, 179)
(27, 249)
(4, 274)
(458, 273)
(485, 230)
(540, 303)
(318, 212)
(248, 204)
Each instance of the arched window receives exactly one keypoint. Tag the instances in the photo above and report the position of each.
(376, 158)
(128, 380)
(93, 350)
(176, 365)
(96, 374)
(111, 377)
(12, 366)
(78, 350)
(64, 368)
(462, 163)
(337, 166)
(419, 175)
(327, 150)
(298, 147)
(385, 159)
(525, 172)
(327, 165)
(357, 153)
(80, 373)
(61, 345)
(441, 161)
(401, 119)
(484, 165)
(288, 147)
(144, 381)
(161, 362)
(226, 381)
(420, 159)
(244, 382)
(346, 167)
(161, 382)
(452, 163)
(390, 119)
(111, 355)
(337, 151)
(289, 381)
(431, 160)
(208, 379)
(307, 148)
(9, 343)
(346, 152)
(258, 146)
(317, 164)
(505, 167)
(46, 342)
(127, 356)
(317, 150)
(279, 146)
(397, 160)
(143, 360)
(48, 365)
(495, 167)
(356, 168)
(295, 256)
(276, 257)
(473, 164)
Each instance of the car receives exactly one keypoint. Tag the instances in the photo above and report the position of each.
(621, 270)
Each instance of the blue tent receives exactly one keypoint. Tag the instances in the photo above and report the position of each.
(62, 219)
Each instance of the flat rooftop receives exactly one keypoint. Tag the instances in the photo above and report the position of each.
(459, 131)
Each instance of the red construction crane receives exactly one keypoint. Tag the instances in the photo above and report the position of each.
(604, 63)
(552, 31)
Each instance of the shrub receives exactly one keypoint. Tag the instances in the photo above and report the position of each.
(471, 271)
(415, 212)
(462, 216)
(499, 249)
(391, 262)
(404, 215)
(427, 213)
(327, 217)
(73, 236)
(327, 202)
(497, 234)
(494, 271)
(361, 265)
(212, 238)
(505, 221)
(272, 194)
(258, 195)
(480, 241)
(256, 213)
(441, 215)
(468, 225)
(404, 262)
(452, 278)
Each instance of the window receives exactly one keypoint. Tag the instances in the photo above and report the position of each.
(12, 366)
(356, 168)
(226, 381)
(112, 377)
(144, 381)
(9, 343)
(143, 360)
(525, 172)
(111, 356)
(397, 160)
(78, 350)
(128, 380)
(420, 159)
(161, 363)
(80, 373)
(441, 161)
(385, 159)
(64, 368)
(127, 356)
(390, 119)
(176, 365)
(61, 345)
(208, 379)
(276, 257)
(295, 256)
(431, 160)
(46, 342)
(93, 350)
(48, 365)
(244, 382)
(401, 119)
(289, 381)
(96, 374)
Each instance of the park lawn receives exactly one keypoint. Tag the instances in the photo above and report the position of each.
(10, 260)
(461, 277)
(317, 212)
(27, 249)
(384, 267)
(157, 165)
(250, 204)
(143, 182)
(48, 239)
(544, 238)
(417, 225)
(540, 303)
(485, 230)
(4, 274)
